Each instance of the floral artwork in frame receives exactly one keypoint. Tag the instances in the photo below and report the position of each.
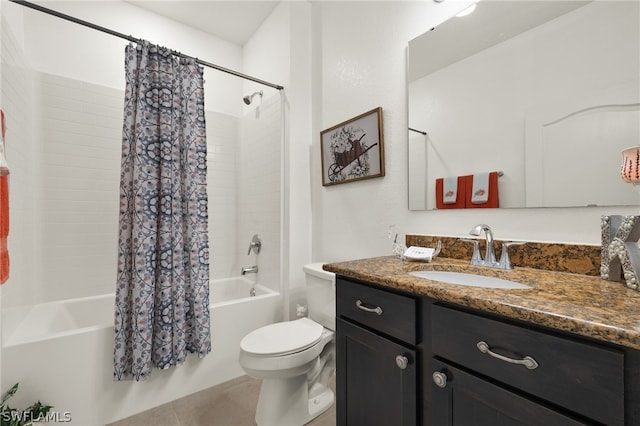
(353, 150)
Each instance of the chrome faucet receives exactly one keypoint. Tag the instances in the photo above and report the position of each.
(250, 270)
(490, 254)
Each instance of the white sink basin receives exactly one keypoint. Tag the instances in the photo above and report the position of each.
(472, 280)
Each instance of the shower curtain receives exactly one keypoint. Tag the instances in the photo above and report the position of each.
(162, 294)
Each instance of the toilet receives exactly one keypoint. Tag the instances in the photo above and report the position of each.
(295, 359)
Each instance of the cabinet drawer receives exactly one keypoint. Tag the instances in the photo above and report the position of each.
(582, 377)
(384, 311)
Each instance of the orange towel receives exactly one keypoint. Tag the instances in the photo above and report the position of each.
(4, 228)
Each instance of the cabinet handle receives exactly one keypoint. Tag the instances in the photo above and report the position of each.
(377, 310)
(402, 362)
(440, 379)
(527, 361)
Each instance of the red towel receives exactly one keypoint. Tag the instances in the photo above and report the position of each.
(4, 228)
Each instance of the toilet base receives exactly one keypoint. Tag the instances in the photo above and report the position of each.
(286, 402)
(320, 403)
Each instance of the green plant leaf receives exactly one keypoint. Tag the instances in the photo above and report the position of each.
(13, 417)
(8, 394)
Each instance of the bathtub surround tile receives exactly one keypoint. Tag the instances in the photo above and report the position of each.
(232, 403)
(79, 181)
(16, 91)
(571, 258)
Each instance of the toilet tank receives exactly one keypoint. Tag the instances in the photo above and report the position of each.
(321, 295)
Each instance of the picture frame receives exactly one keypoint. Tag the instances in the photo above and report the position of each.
(353, 150)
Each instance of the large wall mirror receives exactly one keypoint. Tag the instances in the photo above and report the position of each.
(546, 92)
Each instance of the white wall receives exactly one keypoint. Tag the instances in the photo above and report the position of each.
(363, 66)
(18, 100)
(281, 52)
(16, 94)
(67, 49)
(266, 56)
(258, 191)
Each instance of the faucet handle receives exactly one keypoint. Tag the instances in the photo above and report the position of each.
(505, 261)
(437, 250)
(476, 259)
(255, 245)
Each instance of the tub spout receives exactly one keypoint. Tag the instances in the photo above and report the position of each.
(250, 270)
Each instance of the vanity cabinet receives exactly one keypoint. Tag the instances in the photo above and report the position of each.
(377, 356)
(404, 359)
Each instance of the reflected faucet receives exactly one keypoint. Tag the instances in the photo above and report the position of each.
(490, 254)
(250, 270)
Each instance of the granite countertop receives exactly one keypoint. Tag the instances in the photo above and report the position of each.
(579, 304)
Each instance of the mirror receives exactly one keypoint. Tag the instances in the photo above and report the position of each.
(546, 92)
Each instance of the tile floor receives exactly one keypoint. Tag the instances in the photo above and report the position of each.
(229, 404)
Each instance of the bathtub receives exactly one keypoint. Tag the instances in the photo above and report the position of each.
(62, 353)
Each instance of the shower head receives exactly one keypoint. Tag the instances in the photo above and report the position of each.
(247, 99)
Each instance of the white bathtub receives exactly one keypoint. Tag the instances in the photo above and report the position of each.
(62, 353)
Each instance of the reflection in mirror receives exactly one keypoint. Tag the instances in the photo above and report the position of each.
(547, 92)
(417, 171)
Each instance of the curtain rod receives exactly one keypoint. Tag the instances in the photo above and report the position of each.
(137, 40)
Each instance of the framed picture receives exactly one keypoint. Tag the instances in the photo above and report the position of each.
(353, 150)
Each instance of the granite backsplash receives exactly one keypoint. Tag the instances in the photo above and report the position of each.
(571, 258)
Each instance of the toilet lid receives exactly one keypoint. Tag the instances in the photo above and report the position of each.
(282, 338)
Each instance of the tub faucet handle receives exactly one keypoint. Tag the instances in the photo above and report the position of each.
(255, 245)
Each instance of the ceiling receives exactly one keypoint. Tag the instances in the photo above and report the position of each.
(491, 23)
(235, 21)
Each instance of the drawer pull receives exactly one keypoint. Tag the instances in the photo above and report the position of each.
(377, 310)
(402, 362)
(440, 379)
(527, 361)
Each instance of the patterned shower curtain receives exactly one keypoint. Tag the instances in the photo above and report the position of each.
(162, 294)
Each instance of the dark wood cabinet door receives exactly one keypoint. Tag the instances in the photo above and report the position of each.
(467, 400)
(376, 379)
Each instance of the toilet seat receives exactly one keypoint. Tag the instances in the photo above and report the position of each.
(282, 338)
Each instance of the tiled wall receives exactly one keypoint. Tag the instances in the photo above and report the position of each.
(16, 101)
(64, 143)
(222, 137)
(259, 189)
(80, 173)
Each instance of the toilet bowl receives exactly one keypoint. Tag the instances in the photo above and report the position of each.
(295, 359)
